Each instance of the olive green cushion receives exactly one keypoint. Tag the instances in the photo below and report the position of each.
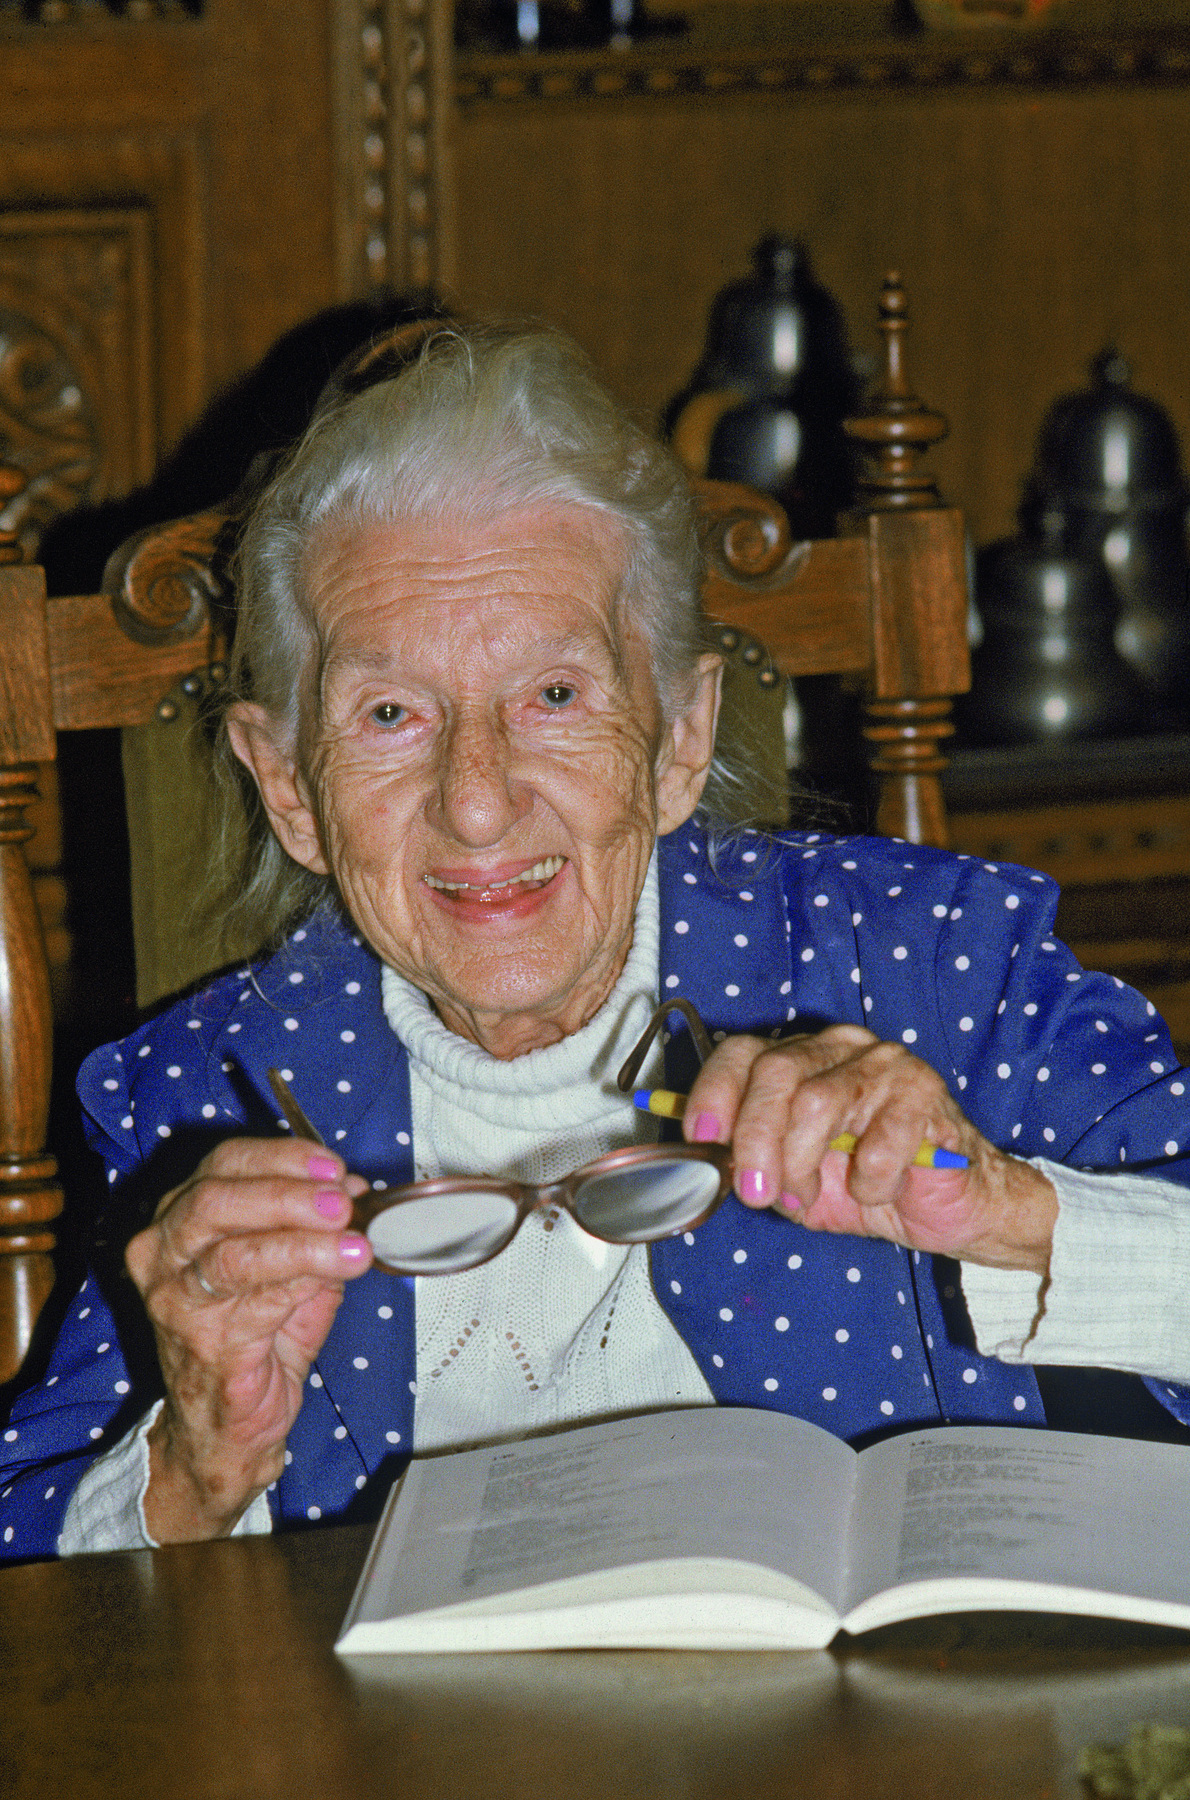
(175, 846)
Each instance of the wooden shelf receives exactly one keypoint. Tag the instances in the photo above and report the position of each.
(763, 51)
(1067, 773)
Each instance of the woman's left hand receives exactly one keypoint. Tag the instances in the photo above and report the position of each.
(780, 1104)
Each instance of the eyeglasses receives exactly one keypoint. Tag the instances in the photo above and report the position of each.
(632, 1196)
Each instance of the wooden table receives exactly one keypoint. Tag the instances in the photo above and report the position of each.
(208, 1672)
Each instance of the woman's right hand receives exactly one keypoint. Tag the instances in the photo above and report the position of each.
(241, 1273)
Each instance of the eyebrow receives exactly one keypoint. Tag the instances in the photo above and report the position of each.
(544, 650)
(361, 658)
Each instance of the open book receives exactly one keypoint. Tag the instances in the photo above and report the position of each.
(720, 1527)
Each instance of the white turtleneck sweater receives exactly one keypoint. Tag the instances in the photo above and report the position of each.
(559, 1326)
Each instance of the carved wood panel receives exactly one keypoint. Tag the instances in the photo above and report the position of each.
(77, 402)
(394, 105)
(77, 417)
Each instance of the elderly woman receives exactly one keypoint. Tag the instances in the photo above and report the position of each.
(475, 703)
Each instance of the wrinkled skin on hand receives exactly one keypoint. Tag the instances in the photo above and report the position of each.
(241, 1273)
(779, 1105)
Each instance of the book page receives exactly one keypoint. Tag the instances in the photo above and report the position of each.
(989, 1503)
(703, 1482)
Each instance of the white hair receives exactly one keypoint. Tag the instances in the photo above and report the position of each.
(486, 420)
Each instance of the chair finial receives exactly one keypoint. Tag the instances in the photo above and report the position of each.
(896, 428)
(13, 481)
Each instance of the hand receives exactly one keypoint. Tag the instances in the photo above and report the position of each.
(241, 1273)
(779, 1105)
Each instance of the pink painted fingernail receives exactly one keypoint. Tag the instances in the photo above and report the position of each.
(753, 1185)
(353, 1248)
(329, 1202)
(790, 1202)
(322, 1168)
(706, 1128)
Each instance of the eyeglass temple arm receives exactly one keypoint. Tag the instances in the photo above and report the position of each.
(302, 1128)
(626, 1079)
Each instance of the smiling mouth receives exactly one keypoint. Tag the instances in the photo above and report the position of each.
(490, 892)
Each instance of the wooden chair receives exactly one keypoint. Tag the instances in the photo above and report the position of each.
(885, 602)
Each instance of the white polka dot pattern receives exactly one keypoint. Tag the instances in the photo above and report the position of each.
(820, 1326)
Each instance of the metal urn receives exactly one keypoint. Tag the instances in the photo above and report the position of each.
(1108, 459)
(767, 401)
(1047, 668)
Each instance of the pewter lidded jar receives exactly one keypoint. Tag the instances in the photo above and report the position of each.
(1110, 460)
(773, 387)
(1047, 669)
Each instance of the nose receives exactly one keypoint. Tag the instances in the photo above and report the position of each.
(479, 795)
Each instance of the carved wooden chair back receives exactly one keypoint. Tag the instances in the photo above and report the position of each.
(885, 603)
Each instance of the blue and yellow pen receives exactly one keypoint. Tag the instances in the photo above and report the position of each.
(668, 1105)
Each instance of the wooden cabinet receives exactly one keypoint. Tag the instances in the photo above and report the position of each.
(177, 188)
(180, 185)
(1029, 187)
(1111, 823)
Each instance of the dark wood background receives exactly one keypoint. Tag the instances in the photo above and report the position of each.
(176, 191)
(1033, 201)
(179, 188)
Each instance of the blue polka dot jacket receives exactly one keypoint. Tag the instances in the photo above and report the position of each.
(949, 955)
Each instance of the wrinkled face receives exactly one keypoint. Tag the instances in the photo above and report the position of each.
(484, 767)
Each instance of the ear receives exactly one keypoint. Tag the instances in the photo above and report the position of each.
(253, 735)
(685, 756)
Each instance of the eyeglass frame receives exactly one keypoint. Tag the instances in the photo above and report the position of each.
(531, 1197)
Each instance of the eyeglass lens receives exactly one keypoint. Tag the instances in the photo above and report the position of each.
(637, 1205)
(438, 1233)
(434, 1234)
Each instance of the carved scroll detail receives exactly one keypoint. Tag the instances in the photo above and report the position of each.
(166, 581)
(749, 540)
(77, 356)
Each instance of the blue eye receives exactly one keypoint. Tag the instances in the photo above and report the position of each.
(557, 694)
(388, 713)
